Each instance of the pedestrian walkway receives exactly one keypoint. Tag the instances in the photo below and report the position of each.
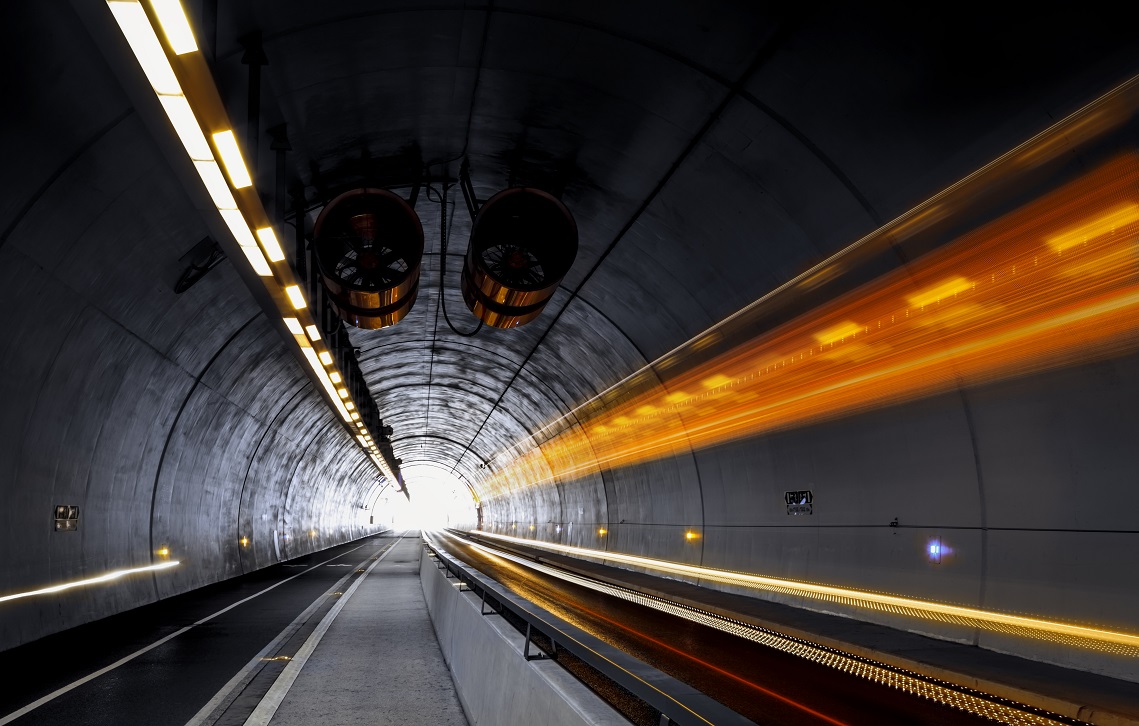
(377, 662)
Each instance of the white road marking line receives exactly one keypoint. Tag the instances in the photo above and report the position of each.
(126, 659)
(277, 692)
(225, 691)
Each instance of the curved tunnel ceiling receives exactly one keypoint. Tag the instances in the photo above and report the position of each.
(709, 153)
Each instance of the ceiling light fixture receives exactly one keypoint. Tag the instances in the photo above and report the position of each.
(271, 246)
(173, 21)
(147, 49)
(226, 144)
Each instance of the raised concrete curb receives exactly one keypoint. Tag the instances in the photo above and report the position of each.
(496, 685)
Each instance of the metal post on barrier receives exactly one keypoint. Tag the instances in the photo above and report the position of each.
(526, 648)
(665, 720)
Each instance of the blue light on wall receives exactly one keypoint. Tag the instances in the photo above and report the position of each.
(936, 549)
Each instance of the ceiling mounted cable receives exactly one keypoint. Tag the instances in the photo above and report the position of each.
(523, 242)
(369, 246)
(443, 234)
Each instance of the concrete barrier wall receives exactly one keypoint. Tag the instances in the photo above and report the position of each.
(496, 685)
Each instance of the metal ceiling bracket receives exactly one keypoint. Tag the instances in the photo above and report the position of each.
(468, 189)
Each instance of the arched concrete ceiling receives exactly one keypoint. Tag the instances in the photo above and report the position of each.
(708, 152)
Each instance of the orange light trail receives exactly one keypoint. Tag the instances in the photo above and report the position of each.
(1053, 283)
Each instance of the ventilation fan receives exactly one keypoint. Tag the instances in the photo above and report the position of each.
(369, 245)
(522, 244)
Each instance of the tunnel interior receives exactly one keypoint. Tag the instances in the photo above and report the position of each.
(710, 153)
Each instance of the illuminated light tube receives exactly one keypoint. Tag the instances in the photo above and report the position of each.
(215, 184)
(293, 325)
(363, 441)
(185, 124)
(296, 297)
(349, 405)
(236, 222)
(144, 43)
(322, 376)
(313, 333)
(335, 377)
(226, 144)
(342, 392)
(91, 581)
(172, 19)
(257, 261)
(355, 416)
(891, 603)
(272, 247)
(326, 357)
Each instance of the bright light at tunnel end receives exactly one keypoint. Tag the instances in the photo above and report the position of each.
(108, 577)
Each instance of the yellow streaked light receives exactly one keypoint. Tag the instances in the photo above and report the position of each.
(1108, 223)
(235, 220)
(940, 291)
(602, 531)
(861, 598)
(691, 536)
(676, 397)
(293, 325)
(296, 297)
(313, 333)
(272, 247)
(326, 358)
(836, 333)
(226, 144)
(335, 377)
(715, 381)
(257, 261)
(342, 392)
(185, 124)
(163, 552)
(175, 26)
(215, 184)
(90, 581)
(147, 49)
(244, 541)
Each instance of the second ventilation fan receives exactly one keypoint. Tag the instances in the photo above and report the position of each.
(369, 245)
(522, 244)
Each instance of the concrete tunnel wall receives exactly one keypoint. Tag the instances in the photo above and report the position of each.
(726, 149)
(176, 421)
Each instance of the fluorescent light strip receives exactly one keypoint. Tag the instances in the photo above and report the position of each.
(235, 220)
(215, 184)
(257, 261)
(147, 49)
(272, 247)
(839, 594)
(226, 144)
(175, 26)
(296, 297)
(185, 124)
(91, 581)
(310, 356)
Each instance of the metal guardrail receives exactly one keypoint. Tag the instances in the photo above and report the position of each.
(677, 702)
